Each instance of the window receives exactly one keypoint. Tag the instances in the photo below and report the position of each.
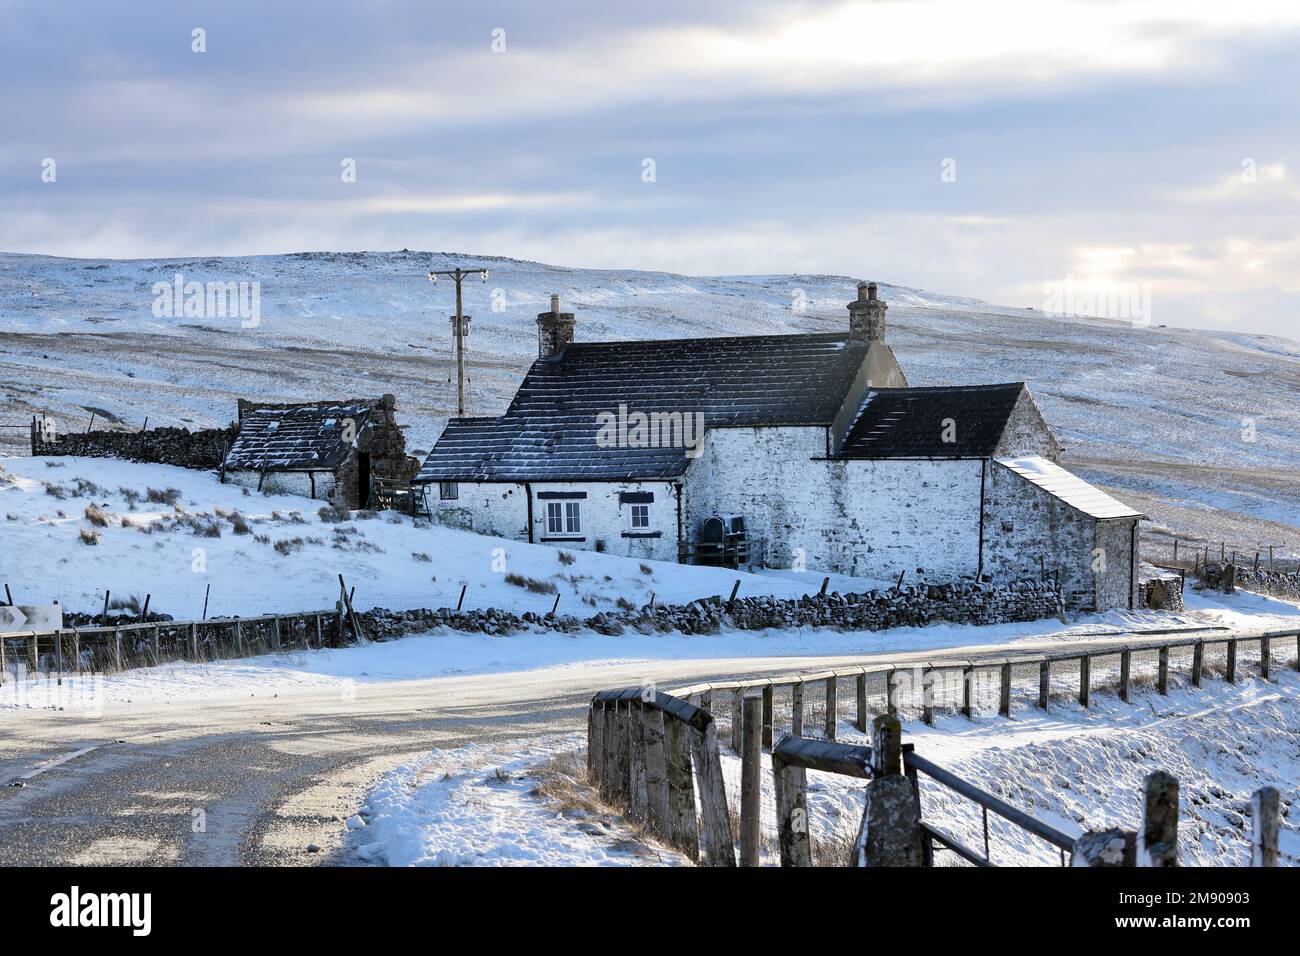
(563, 517)
(448, 490)
(639, 517)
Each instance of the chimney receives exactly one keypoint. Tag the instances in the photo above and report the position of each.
(867, 314)
(554, 330)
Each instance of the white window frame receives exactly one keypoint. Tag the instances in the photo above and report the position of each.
(572, 516)
(641, 509)
(448, 491)
(554, 517)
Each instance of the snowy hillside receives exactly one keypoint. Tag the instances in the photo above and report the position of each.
(1177, 419)
(86, 525)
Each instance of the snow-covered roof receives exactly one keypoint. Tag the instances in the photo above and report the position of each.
(1071, 489)
(279, 438)
(551, 430)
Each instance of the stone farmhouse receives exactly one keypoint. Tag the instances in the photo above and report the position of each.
(329, 450)
(782, 450)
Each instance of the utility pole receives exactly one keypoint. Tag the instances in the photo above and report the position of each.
(459, 328)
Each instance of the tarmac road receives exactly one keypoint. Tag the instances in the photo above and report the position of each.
(252, 781)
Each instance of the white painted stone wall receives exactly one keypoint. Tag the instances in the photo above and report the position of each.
(868, 518)
(1027, 432)
(285, 482)
(501, 509)
(1117, 586)
(1025, 529)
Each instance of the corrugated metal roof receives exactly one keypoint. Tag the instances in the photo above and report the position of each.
(910, 422)
(1069, 488)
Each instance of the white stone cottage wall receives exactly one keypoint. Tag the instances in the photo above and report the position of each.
(1117, 586)
(872, 519)
(1025, 529)
(501, 509)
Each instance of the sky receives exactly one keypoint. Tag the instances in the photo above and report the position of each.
(1009, 149)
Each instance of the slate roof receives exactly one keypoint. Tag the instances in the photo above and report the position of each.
(1071, 489)
(909, 422)
(296, 437)
(549, 432)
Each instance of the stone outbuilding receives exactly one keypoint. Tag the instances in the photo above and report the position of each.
(327, 450)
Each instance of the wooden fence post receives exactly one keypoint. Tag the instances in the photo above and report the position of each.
(790, 785)
(891, 693)
(927, 695)
(320, 633)
(194, 641)
(832, 707)
(595, 731)
(1085, 679)
(968, 691)
(1158, 835)
(751, 788)
(796, 708)
(621, 752)
(767, 717)
(860, 699)
(682, 827)
(717, 847)
(1004, 704)
(155, 644)
(609, 787)
(275, 633)
(737, 718)
(1198, 663)
(1266, 818)
(638, 787)
(1044, 683)
(1232, 661)
(1265, 657)
(117, 648)
(1162, 672)
(1125, 672)
(656, 769)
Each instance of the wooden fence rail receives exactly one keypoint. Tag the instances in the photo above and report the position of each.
(752, 705)
(118, 647)
(1007, 668)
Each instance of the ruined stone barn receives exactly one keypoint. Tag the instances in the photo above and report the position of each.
(328, 450)
(804, 451)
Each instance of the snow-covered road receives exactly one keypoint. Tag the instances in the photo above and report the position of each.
(256, 777)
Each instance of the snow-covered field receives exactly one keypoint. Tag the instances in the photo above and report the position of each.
(475, 806)
(267, 553)
(1073, 768)
(1202, 425)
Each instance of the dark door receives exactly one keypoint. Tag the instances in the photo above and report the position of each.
(363, 479)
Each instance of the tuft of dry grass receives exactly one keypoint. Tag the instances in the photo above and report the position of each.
(89, 537)
(97, 516)
(647, 570)
(531, 584)
(163, 496)
(566, 557)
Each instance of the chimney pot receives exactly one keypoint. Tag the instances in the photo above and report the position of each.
(867, 314)
(555, 303)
